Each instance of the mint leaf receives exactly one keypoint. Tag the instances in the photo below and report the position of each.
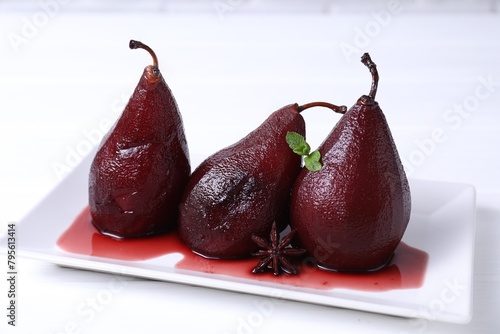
(303, 149)
(297, 143)
(315, 155)
(312, 161)
(299, 146)
(313, 166)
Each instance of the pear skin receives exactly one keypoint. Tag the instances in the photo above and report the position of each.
(352, 214)
(241, 190)
(142, 164)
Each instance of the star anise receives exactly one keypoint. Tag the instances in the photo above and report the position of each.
(274, 254)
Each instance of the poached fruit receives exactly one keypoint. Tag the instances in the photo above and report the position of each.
(352, 214)
(240, 191)
(142, 164)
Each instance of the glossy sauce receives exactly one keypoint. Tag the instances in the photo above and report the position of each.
(405, 271)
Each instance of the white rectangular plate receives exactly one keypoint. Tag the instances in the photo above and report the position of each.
(442, 224)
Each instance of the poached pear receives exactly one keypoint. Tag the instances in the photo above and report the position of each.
(352, 214)
(142, 164)
(239, 191)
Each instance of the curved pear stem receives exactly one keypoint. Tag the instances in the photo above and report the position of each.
(367, 61)
(139, 45)
(335, 108)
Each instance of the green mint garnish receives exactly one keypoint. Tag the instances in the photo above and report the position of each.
(312, 161)
(297, 143)
(299, 146)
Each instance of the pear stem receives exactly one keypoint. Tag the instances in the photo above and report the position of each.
(335, 108)
(367, 61)
(139, 45)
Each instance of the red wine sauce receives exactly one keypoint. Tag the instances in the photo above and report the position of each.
(405, 271)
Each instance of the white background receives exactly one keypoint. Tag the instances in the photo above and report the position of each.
(66, 72)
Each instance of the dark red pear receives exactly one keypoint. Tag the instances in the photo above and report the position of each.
(142, 164)
(241, 190)
(352, 214)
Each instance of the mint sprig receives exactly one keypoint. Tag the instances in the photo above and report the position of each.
(299, 146)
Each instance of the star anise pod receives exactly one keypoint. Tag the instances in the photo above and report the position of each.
(275, 253)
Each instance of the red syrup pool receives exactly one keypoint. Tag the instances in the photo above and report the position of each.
(405, 271)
